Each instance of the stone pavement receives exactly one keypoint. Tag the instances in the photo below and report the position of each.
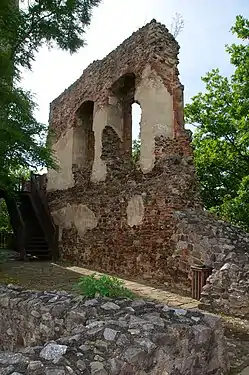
(168, 298)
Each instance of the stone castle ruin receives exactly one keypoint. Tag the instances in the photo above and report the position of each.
(141, 219)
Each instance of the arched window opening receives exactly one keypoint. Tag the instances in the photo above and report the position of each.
(124, 90)
(83, 142)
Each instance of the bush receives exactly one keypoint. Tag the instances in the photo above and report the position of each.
(105, 286)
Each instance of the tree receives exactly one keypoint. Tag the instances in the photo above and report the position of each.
(136, 147)
(4, 217)
(23, 30)
(177, 25)
(221, 139)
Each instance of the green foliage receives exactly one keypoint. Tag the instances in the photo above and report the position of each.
(4, 217)
(23, 30)
(53, 22)
(136, 146)
(15, 177)
(22, 138)
(105, 286)
(221, 139)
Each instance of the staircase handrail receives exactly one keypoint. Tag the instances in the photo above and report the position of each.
(49, 227)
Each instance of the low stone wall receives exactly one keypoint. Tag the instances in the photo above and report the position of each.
(56, 333)
(202, 239)
(227, 289)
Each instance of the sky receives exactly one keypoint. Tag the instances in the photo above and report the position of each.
(202, 41)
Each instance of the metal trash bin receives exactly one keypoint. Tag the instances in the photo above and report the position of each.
(199, 278)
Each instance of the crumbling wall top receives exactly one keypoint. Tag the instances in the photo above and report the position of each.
(151, 44)
(150, 32)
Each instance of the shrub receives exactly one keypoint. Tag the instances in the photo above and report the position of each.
(105, 286)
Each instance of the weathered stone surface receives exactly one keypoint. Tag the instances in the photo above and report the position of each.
(110, 306)
(127, 221)
(176, 343)
(53, 351)
(143, 218)
(222, 247)
(110, 334)
(35, 367)
(11, 358)
(98, 368)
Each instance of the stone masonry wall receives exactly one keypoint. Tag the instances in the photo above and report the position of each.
(202, 239)
(142, 69)
(151, 47)
(116, 215)
(125, 225)
(138, 219)
(54, 333)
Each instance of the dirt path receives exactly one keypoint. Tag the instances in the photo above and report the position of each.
(38, 275)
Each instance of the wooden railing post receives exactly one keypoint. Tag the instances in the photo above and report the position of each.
(21, 243)
(56, 248)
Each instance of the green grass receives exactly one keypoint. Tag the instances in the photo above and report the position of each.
(104, 286)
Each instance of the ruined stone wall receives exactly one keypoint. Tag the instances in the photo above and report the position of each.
(54, 333)
(143, 219)
(116, 215)
(202, 239)
(149, 57)
(125, 225)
